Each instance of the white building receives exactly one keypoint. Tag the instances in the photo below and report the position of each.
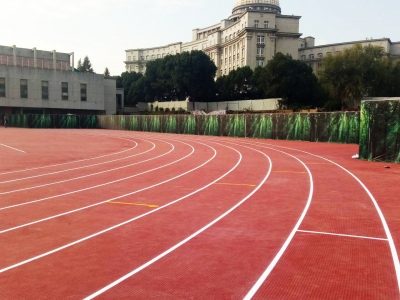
(35, 81)
(251, 36)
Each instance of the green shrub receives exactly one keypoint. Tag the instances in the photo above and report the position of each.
(167, 110)
(161, 109)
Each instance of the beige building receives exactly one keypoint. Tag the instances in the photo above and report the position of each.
(251, 36)
(36, 81)
(313, 55)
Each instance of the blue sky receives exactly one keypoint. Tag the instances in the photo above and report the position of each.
(103, 29)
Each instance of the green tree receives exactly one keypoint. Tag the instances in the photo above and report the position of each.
(360, 72)
(126, 81)
(106, 72)
(193, 75)
(86, 66)
(289, 79)
(240, 84)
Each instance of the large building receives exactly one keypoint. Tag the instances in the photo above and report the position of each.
(35, 81)
(251, 36)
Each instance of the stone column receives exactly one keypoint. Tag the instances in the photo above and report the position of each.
(54, 60)
(73, 61)
(34, 58)
(15, 55)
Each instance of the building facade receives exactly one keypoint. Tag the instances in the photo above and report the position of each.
(35, 81)
(251, 36)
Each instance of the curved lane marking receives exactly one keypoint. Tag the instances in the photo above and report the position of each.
(90, 175)
(393, 249)
(119, 197)
(71, 162)
(100, 185)
(150, 262)
(133, 219)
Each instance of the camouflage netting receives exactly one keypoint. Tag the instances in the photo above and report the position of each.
(380, 131)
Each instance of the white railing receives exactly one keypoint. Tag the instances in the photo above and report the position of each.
(244, 2)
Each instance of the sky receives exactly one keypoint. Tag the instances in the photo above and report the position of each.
(104, 29)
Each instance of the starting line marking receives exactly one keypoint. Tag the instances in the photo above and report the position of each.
(344, 235)
(238, 184)
(135, 204)
(13, 148)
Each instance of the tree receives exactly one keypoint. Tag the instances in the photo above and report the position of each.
(193, 75)
(106, 72)
(240, 84)
(126, 81)
(360, 72)
(289, 79)
(86, 66)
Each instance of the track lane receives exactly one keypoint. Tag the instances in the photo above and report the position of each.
(122, 230)
(221, 261)
(35, 139)
(90, 181)
(358, 223)
(95, 212)
(40, 210)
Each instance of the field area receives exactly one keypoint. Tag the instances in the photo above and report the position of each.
(102, 214)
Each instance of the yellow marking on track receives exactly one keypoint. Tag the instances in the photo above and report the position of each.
(238, 184)
(289, 172)
(135, 204)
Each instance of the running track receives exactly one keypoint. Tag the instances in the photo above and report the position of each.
(95, 214)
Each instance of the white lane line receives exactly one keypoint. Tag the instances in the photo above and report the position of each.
(155, 259)
(12, 148)
(133, 219)
(78, 168)
(381, 216)
(75, 161)
(278, 256)
(343, 235)
(95, 186)
(89, 175)
(122, 196)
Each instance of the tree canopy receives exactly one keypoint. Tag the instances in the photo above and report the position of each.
(240, 84)
(86, 66)
(289, 79)
(174, 77)
(106, 72)
(360, 72)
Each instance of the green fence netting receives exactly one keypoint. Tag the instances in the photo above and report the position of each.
(380, 131)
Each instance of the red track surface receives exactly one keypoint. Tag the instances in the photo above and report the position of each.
(228, 218)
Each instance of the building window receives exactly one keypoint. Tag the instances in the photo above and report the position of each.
(226, 39)
(320, 55)
(311, 56)
(266, 24)
(328, 53)
(24, 88)
(64, 90)
(260, 63)
(142, 57)
(303, 57)
(260, 39)
(129, 58)
(83, 92)
(256, 22)
(260, 51)
(45, 90)
(2, 87)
